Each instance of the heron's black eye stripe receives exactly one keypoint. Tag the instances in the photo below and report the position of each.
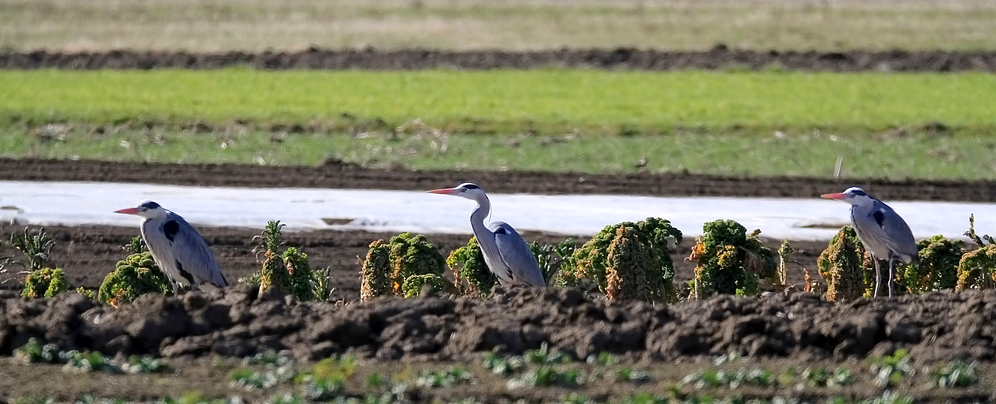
(186, 275)
(859, 192)
(879, 217)
(170, 228)
(471, 186)
(150, 205)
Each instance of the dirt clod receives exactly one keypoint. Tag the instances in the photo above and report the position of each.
(950, 325)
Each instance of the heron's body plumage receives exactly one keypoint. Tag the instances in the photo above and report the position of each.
(883, 232)
(178, 249)
(182, 253)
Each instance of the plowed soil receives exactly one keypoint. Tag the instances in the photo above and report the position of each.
(621, 58)
(337, 175)
(239, 321)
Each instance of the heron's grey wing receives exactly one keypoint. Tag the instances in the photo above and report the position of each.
(161, 248)
(191, 253)
(887, 228)
(516, 254)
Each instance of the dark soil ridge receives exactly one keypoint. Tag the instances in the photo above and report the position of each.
(238, 321)
(336, 174)
(719, 57)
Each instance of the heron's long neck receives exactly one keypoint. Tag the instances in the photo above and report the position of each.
(477, 218)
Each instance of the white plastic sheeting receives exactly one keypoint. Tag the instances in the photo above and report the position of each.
(92, 203)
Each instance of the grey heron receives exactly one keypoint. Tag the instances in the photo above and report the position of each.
(177, 248)
(505, 252)
(884, 234)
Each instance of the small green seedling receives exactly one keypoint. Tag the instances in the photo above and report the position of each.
(956, 374)
(251, 380)
(376, 380)
(85, 362)
(603, 358)
(34, 352)
(447, 378)
(545, 356)
(713, 378)
(547, 375)
(145, 364)
(501, 365)
(889, 370)
(633, 376)
(821, 377)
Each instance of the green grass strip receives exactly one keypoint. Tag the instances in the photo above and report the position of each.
(550, 101)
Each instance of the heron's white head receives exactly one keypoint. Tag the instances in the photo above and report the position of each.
(466, 190)
(147, 209)
(853, 195)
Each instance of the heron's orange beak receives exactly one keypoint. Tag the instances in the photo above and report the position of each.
(833, 196)
(444, 191)
(128, 211)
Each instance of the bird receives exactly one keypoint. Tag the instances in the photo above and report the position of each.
(881, 230)
(177, 248)
(505, 252)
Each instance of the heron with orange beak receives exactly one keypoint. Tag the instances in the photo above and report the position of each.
(882, 231)
(505, 252)
(177, 248)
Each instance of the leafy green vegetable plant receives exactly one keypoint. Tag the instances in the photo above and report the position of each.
(937, 268)
(470, 273)
(288, 271)
(730, 261)
(389, 265)
(132, 277)
(45, 282)
(37, 247)
(552, 258)
(40, 280)
(977, 269)
(841, 264)
(626, 261)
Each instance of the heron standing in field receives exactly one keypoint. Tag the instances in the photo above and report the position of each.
(881, 230)
(506, 253)
(177, 248)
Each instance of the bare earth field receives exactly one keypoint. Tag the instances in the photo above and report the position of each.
(719, 57)
(334, 174)
(396, 337)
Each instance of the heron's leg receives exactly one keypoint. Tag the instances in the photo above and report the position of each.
(891, 276)
(878, 276)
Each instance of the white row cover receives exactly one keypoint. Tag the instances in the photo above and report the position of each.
(302, 209)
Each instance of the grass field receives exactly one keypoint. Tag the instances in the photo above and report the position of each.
(769, 123)
(546, 102)
(811, 154)
(256, 25)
